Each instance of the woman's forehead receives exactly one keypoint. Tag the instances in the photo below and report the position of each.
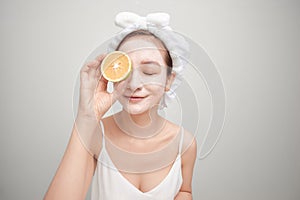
(142, 43)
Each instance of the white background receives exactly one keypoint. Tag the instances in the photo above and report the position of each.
(254, 44)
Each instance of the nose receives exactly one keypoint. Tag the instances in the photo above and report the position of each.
(134, 80)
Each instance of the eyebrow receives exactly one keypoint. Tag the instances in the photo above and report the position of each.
(150, 62)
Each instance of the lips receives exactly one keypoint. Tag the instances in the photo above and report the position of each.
(135, 98)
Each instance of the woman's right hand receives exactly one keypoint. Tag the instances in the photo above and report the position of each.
(94, 100)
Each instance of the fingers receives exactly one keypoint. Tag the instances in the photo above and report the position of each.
(102, 104)
(89, 70)
(92, 68)
(102, 84)
(93, 64)
(100, 57)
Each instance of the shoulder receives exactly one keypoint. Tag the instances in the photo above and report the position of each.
(189, 145)
(189, 148)
(189, 140)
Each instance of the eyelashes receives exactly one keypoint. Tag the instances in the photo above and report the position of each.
(149, 74)
(150, 69)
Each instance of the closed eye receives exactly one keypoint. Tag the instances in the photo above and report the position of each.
(148, 73)
(150, 68)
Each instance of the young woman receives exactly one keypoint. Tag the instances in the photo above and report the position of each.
(135, 153)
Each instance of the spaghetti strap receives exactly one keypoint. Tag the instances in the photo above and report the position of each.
(103, 134)
(181, 139)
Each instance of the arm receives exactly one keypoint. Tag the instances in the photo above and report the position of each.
(77, 166)
(188, 161)
(75, 172)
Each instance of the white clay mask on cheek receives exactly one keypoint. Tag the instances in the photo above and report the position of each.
(119, 88)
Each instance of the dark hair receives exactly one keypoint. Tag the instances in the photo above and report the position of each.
(141, 32)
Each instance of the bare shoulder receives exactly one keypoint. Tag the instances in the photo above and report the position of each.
(189, 145)
(189, 148)
(189, 140)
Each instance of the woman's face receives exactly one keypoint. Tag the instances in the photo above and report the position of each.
(148, 81)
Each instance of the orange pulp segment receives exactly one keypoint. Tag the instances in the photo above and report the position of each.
(116, 66)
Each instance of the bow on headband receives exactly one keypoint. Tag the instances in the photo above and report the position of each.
(126, 19)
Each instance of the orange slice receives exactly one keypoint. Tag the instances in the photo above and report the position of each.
(116, 66)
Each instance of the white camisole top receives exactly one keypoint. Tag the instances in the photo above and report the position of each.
(110, 184)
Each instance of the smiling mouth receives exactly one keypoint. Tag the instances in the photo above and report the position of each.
(135, 98)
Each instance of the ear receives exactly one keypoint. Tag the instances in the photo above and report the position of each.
(170, 79)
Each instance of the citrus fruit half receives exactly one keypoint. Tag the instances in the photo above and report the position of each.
(116, 66)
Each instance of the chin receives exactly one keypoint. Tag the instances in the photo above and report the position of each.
(134, 110)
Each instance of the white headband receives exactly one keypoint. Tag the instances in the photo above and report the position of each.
(158, 25)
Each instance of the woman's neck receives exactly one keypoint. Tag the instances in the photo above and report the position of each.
(143, 125)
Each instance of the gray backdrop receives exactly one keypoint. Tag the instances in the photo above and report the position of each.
(255, 45)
